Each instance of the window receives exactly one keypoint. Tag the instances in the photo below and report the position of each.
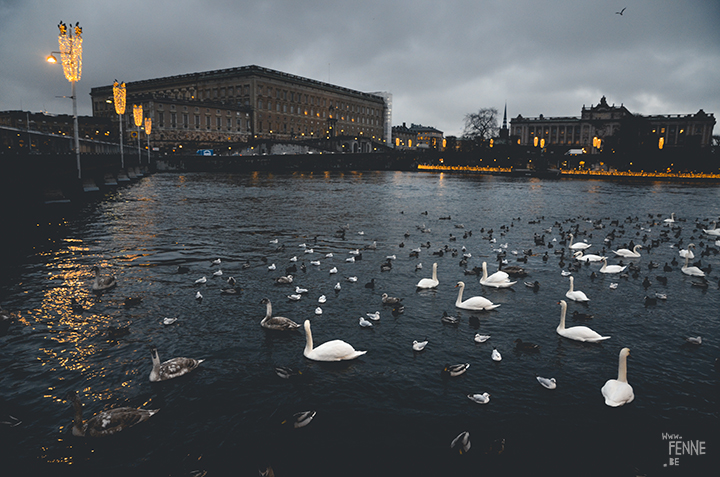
(173, 120)
(207, 122)
(161, 119)
(218, 122)
(185, 120)
(197, 121)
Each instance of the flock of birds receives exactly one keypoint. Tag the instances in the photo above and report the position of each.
(572, 256)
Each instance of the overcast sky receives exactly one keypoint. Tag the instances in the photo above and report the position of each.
(439, 59)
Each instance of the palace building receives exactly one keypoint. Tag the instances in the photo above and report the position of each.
(227, 107)
(605, 125)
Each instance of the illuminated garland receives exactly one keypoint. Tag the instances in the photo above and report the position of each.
(71, 51)
(138, 114)
(119, 97)
(148, 125)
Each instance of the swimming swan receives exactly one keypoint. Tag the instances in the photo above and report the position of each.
(102, 283)
(278, 323)
(172, 368)
(692, 271)
(578, 245)
(429, 282)
(473, 303)
(624, 252)
(617, 391)
(611, 268)
(335, 350)
(498, 279)
(577, 333)
(579, 255)
(108, 422)
(575, 295)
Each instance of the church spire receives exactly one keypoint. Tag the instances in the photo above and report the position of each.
(505, 117)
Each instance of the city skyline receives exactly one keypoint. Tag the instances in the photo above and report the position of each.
(440, 62)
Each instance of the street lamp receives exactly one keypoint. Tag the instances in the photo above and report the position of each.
(138, 117)
(71, 58)
(148, 128)
(119, 98)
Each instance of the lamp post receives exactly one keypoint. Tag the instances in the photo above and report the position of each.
(138, 117)
(71, 58)
(148, 128)
(119, 99)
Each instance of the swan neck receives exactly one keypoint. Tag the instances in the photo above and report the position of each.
(563, 311)
(572, 285)
(687, 258)
(434, 275)
(622, 369)
(268, 312)
(460, 294)
(485, 275)
(308, 339)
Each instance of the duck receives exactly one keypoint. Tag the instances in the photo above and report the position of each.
(578, 245)
(548, 383)
(286, 372)
(450, 320)
(301, 419)
(609, 269)
(577, 333)
(390, 300)
(461, 442)
(429, 282)
(496, 356)
(526, 346)
(483, 398)
(581, 316)
(576, 295)
(284, 280)
(481, 338)
(456, 369)
(75, 306)
(102, 283)
(618, 392)
(419, 345)
(172, 368)
(579, 255)
(498, 279)
(473, 303)
(534, 285)
(692, 271)
(626, 253)
(277, 323)
(183, 269)
(335, 350)
(108, 422)
(370, 284)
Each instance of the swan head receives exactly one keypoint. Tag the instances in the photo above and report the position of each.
(691, 245)
(460, 284)
(264, 301)
(625, 352)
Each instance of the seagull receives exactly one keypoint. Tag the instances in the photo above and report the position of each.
(318, 311)
(198, 296)
(350, 260)
(352, 279)
(337, 286)
(294, 259)
(315, 262)
(696, 340)
(481, 338)
(272, 267)
(294, 297)
(168, 321)
(365, 323)
(621, 11)
(419, 345)
(483, 398)
(329, 255)
(274, 241)
(496, 355)
(374, 316)
(548, 383)
(216, 262)
(217, 273)
(200, 281)
(322, 299)
(299, 290)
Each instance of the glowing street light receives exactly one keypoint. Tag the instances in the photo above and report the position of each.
(148, 128)
(119, 99)
(71, 58)
(138, 117)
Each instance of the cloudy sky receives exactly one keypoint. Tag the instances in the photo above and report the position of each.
(439, 59)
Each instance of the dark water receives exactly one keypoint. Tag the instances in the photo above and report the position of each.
(390, 412)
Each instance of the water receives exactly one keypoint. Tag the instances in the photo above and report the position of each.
(390, 412)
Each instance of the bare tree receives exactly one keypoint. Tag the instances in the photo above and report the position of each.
(481, 126)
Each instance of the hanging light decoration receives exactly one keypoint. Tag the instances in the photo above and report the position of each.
(119, 97)
(138, 114)
(71, 51)
(148, 125)
(661, 143)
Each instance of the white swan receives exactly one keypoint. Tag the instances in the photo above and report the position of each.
(335, 350)
(102, 283)
(692, 271)
(624, 252)
(579, 255)
(172, 368)
(713, 231)
(575, 295)
(671, 220)
(108, 422)
(430, 282)
(473, 303)
(279, 323)
(617, 391)
(611, 268)
(577, 333)
(687, 252)
(498, 279)
(578, 245)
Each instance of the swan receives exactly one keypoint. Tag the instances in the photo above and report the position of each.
(575, 295)
(172, 368)
(624, 252)
(611, 268)
(429, 282)
(671, 220)
(577, 333)
(390, 300)
(102, 283)
(692, 271)
(578, 245)
(335, 350)
(687, 252)
(617, 391)
(498, 279)
(483, 398)
(106, 423)
(278, 323)
(473, 303)
(714, 232)
(579, 255)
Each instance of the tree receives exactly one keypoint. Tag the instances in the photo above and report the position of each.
(480, 127)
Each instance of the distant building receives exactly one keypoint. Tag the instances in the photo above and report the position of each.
(602, 126)
(222, 108)
(417, 136)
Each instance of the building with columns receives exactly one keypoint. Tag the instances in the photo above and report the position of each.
(224, 108)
